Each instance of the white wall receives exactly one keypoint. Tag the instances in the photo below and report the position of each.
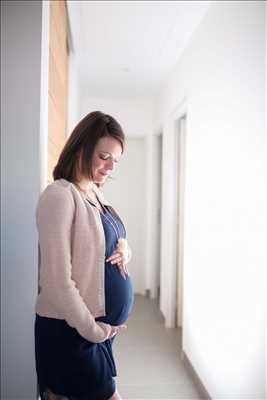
(21, 27)
(221, 75)
(135, 115)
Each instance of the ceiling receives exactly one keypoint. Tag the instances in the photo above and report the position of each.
(128, 48)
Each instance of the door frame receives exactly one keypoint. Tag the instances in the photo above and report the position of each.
(168, 303)
(179, 202)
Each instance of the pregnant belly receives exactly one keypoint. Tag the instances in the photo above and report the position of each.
(119, 296)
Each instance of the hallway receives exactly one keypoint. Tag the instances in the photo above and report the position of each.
(148, 357)
(187, 82)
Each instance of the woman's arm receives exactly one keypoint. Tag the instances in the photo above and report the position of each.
(54, 217)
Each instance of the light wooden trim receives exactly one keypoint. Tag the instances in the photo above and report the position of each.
(58, 83)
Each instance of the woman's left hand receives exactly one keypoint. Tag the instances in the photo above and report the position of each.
(121, 256)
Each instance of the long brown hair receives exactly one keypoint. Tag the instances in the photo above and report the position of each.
(78, 151)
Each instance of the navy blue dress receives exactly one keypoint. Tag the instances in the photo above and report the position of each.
(67, 363)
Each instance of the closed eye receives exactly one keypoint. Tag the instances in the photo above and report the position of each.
(107, 157)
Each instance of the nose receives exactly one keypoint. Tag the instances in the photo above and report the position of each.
(110, 164)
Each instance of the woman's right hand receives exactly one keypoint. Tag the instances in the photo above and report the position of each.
(116, 329)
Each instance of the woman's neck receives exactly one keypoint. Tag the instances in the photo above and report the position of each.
(85, 185)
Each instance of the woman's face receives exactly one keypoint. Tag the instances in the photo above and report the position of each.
(106, 155)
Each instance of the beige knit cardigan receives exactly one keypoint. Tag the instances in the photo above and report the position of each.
(72, 259)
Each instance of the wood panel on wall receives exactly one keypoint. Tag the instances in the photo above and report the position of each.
(58, 83)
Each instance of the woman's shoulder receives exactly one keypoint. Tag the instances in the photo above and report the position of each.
(59, 186)
(57, 193)
(56, 200)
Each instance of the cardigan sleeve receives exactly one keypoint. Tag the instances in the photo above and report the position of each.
(54, 216)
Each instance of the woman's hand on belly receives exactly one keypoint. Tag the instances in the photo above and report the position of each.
(115, 329)
(121, 256)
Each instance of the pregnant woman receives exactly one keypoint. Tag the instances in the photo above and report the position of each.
(85, 290)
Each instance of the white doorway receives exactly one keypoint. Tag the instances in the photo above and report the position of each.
(180, 134)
